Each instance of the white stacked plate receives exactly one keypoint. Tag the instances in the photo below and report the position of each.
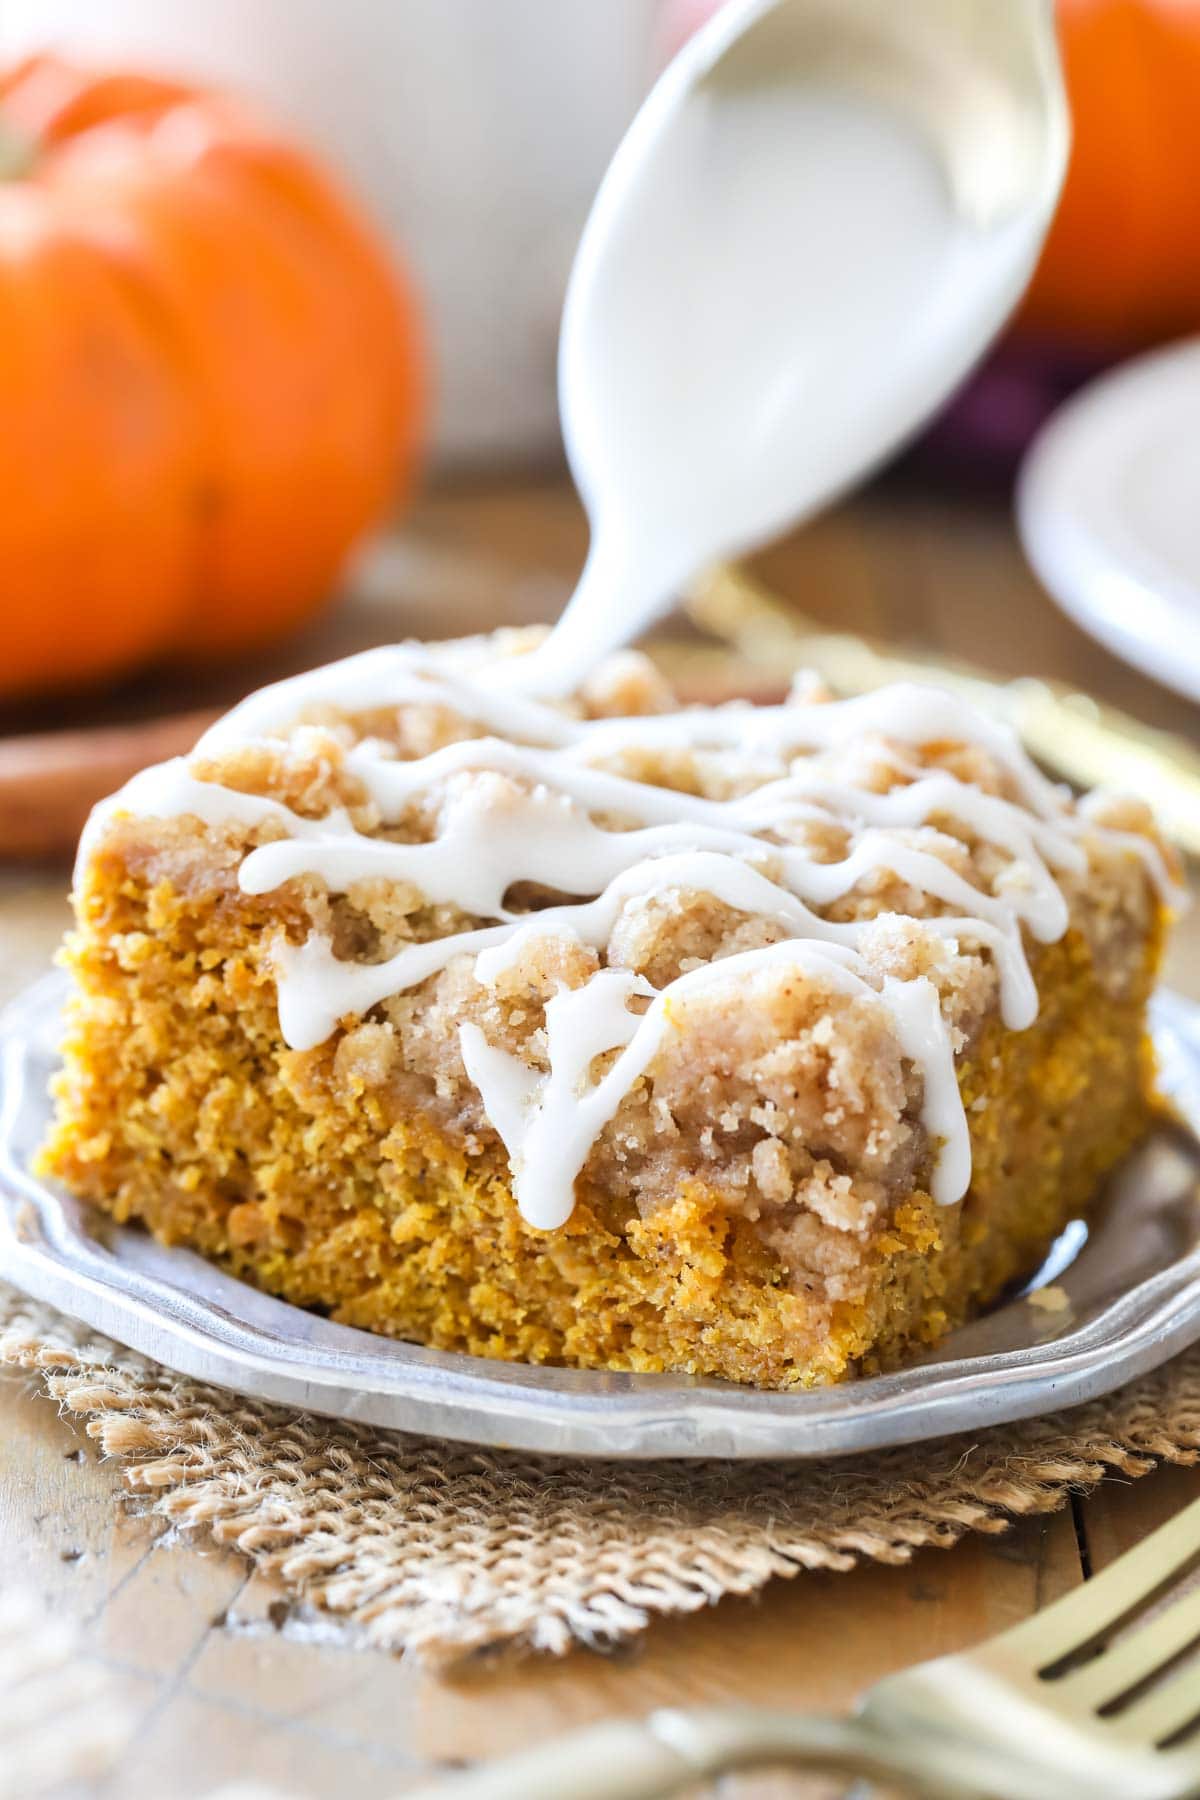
(1108, 506)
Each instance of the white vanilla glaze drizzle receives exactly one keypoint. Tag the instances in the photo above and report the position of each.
(526, 811)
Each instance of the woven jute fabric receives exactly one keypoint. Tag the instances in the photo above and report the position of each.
(449, 1551)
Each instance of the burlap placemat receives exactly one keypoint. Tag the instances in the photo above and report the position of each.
(448, 1551)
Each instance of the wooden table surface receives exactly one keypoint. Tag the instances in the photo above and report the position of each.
(270, 1699)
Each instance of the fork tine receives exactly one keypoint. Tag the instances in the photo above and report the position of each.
(1146, 1649)
(1163, 1711)
(1099, 1603)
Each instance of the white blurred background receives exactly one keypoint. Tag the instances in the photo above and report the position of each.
(475, 131)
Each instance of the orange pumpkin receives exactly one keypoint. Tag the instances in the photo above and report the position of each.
(1121, 265)
(211, 379)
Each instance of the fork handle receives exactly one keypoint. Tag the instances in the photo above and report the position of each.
(656, 1756)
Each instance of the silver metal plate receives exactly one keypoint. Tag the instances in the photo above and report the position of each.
(1120, 1296)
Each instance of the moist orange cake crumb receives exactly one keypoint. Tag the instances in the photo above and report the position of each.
(605, 1033)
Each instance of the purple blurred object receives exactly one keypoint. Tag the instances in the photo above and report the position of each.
(978, 439)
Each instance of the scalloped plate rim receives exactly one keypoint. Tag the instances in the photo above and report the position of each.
(207, 1325)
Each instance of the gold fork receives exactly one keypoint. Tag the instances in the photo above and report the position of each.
(1090, 1697)
(1075, 737)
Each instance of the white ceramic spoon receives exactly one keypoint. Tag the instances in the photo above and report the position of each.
(822, 214)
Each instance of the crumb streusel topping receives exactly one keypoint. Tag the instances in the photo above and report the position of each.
(590, 893)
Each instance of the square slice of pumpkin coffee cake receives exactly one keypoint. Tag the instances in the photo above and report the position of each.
(759, 1042)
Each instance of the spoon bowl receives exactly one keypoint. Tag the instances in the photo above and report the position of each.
(820, 217)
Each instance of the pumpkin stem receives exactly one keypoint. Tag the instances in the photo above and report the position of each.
(17, 153)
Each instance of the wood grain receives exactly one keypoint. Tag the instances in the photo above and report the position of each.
(225, 1683)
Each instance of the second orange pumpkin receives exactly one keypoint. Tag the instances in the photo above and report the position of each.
(1121, 265)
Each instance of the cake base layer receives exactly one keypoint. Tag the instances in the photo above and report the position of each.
(180, 1107)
